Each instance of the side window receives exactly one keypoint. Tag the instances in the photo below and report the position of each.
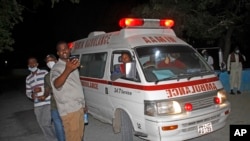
(93, 65)
(118, 60)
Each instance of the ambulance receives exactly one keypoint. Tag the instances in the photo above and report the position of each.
(156, 98)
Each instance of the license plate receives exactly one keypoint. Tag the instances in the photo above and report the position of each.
(205, 128)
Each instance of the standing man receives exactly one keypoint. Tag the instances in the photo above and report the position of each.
(68, 93)
(208, 58)
(50, 61)
(35, 91)
(234, 68)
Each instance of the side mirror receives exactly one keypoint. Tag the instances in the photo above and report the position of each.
(130, 70)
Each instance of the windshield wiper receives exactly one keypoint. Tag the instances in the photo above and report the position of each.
(168, 78)
(193, 75)
(201, 74)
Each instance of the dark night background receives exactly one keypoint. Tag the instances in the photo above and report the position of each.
(43, 27)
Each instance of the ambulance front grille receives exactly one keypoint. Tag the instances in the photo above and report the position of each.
(202, 102)
(190, 126)
(199, 101)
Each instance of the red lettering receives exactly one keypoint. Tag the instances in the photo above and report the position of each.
(172, 39)
(198, 89)
(187, 90)
(83, 44)
(202, 87)
(169, 39)
(193, 87)
(182, 91)
(166, 38)
(175, 92)
(146, 39)
(160, 39)
(214, 86)
(152, 39)
(95, 41)
(169, 93)
(107, 39)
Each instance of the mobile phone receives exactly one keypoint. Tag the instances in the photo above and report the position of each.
(73, 57)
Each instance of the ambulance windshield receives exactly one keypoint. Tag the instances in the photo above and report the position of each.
(171, 62)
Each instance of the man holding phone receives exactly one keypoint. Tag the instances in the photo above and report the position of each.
(35, 91)
(68, 92)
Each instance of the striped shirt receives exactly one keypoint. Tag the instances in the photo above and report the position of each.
(36, 80)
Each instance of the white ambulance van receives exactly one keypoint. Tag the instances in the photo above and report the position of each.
(166, 92)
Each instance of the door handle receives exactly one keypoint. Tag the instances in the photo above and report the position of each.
(106, 90)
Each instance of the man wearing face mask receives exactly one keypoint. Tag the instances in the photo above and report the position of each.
(35, 91)
(234, 68)
(208, 58)
(51, 61)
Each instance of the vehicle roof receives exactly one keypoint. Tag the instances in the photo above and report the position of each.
(126, 38)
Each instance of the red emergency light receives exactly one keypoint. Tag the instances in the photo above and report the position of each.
(167, 23)
(70, 45)
(149, 23)
(131, 22)
(188, 107)
(217, 100)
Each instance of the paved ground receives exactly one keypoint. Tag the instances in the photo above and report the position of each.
(18, 122)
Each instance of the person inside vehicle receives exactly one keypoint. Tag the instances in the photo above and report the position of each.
(120, 69)
(172, 60)
(125, 58)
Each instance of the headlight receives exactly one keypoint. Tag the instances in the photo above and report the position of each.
(221, 97)
(153, 108)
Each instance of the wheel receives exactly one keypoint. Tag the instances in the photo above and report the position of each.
(126, 127)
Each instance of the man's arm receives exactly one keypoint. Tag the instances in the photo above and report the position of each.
(28, 90)
(59, 81)
(70, 66)
(47, 88)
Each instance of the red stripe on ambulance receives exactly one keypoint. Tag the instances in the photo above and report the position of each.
(195, 86)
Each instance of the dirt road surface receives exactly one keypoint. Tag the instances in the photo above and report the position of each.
(18, 121)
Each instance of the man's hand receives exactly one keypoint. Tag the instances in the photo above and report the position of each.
(37, 90)
(33, 95)
(41, 98)
(72, 64)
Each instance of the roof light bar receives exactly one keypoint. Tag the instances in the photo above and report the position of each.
(130, 22)
(149, 23)
(167, 23)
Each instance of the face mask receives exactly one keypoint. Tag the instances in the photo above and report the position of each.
(50, 64)
(237, 51)
(32, 69)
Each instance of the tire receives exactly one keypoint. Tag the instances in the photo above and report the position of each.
(126, 127)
